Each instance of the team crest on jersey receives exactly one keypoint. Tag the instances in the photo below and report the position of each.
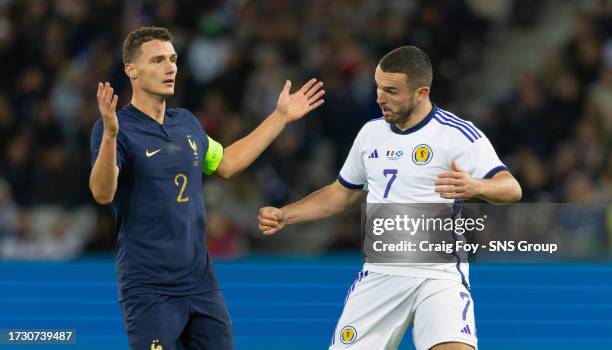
(422, 154)
(155, 345)
(194, 147)
(394, 155)
(348, 335)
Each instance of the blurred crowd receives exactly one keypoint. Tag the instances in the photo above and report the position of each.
(553, 130)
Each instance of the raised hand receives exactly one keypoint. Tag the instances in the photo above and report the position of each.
(457, 184)
(107, 103)
(295, 106)
(271, 220)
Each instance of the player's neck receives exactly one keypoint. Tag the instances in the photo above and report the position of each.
(152, 106)
(417, 115)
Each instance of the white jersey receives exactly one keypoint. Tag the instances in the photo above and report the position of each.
(401, 166)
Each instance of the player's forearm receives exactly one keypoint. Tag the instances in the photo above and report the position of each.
(103, 181)
(321, 204)
(501, 189)
(243, 152)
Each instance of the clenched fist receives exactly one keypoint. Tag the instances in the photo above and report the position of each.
(271, 220)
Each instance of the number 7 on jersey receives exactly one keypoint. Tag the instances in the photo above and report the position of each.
(393, 173)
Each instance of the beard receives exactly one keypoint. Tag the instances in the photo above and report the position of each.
(402, 116)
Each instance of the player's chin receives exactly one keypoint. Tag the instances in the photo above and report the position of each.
(167, 92)
(390, 118)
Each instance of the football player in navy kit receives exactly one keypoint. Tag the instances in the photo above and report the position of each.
(147, 164)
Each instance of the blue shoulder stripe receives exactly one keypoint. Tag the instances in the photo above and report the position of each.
(455, 122)
(436, 117)
(461, 121)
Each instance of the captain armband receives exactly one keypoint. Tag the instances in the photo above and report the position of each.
(213, 156)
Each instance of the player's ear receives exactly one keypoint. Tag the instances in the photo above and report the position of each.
(130, 71)
(422, 92)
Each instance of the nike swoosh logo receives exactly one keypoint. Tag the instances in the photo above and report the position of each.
(151, 154)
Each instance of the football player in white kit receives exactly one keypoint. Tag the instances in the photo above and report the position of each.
(416, 153)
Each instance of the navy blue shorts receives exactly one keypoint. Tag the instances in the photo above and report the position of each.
(178, 322)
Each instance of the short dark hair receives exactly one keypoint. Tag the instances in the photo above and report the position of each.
(411, 61)
(134, 41)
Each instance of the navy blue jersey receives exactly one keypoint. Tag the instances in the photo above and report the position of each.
(159, 205)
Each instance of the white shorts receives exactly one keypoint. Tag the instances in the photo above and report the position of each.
(379, 308)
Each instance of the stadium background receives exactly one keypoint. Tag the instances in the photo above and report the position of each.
(536, 76)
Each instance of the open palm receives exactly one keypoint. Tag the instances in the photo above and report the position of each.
(295, 106)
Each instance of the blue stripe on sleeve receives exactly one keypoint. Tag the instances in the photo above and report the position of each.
(349, 185)
(494, 171)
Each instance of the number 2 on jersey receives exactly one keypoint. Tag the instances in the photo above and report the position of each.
(183, 185)
(393, 173)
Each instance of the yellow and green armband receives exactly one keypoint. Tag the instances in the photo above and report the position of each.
(213, 156)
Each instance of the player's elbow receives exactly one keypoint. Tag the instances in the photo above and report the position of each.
(102, 190)
(101, 197)
(513, 194)
(228, 176)
(517, 192)
(508, 189)
(227, 173)
(228, 169)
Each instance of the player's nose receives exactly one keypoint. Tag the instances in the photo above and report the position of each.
(170, 70)
(380, 97)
